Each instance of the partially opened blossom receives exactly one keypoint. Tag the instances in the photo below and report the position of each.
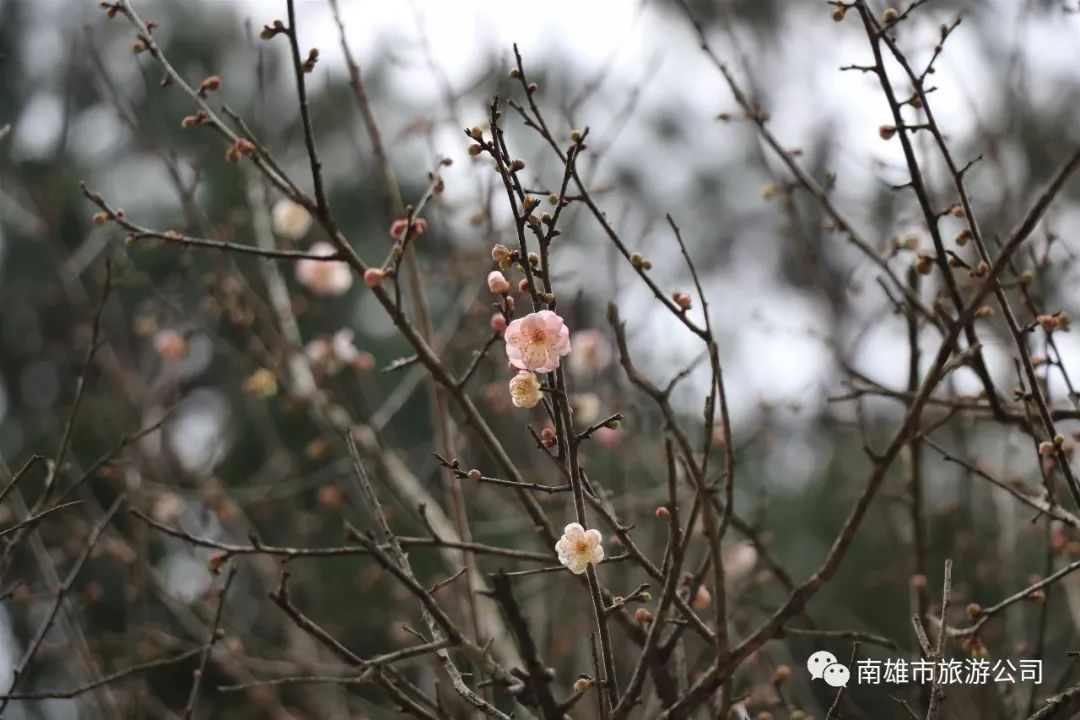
(537, 341)
(592, 352)
(579, 547)
(291, 220)
(525, 389)
(324, 277)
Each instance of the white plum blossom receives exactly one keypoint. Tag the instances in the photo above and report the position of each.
(291, 220)
(324, 277)
(525, 389)
(579, 547)
(592, 353)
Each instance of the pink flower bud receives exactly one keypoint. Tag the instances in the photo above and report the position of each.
(498, 283)
(373, 276)
(500, 254)
(523, 286)
(397, 228)
(498, 322)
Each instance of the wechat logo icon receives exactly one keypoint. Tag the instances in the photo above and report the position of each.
(823, 665)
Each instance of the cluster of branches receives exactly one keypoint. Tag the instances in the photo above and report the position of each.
(654, 652)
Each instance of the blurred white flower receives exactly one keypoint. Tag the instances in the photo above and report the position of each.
(739, 560)
(592, 353)
(170, 345)
(586, 407)
(332, 354)
(579, 547)
(291, 220)
(324, 277)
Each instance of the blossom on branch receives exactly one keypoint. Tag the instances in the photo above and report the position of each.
(525, 389)
(579, 547)
(537, 341)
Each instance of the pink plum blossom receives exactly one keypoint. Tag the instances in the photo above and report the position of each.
(537, 341)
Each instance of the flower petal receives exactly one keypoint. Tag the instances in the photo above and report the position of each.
(573, 531)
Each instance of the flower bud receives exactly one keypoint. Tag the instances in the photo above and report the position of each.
(498, 322)
(974, 610)
(924, 265)
(1048, 322)
(890, 16)
(643, 616)
(500, 253)
(662, 513)
(885, 132)
(210, 84)
(373, 276)
(682, 299)
(581, 685)
(474, 475)
(497, 283)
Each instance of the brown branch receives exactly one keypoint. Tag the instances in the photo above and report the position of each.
(19, 671)
(215, 634)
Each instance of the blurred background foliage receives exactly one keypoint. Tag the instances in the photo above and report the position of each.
(795, 305)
